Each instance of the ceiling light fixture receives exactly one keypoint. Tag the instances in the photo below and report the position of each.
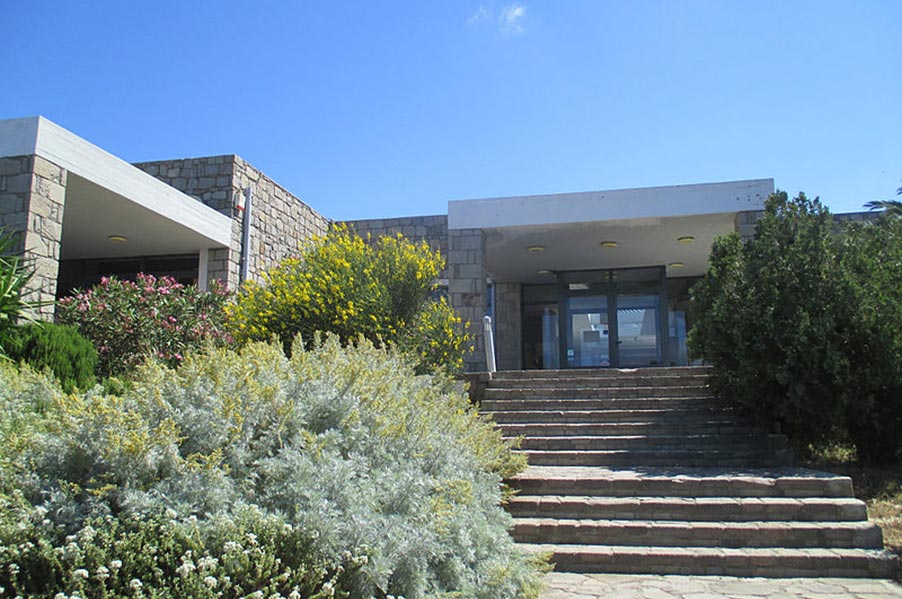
(117, 238)
(608, 244)
(676, 265)
(543, 272)
(686, 239)
(536, 248)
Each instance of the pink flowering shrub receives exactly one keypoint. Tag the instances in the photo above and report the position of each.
(128, 321)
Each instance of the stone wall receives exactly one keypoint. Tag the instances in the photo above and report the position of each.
(280, 221)
(464, 253)
(431, 229)
(467, 287)
(508, 319)
(32, 202)
(745, 221)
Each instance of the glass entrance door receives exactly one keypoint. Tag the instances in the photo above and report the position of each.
(588, 332)
(638, 330)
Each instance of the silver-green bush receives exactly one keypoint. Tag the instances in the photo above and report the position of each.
(381, 482)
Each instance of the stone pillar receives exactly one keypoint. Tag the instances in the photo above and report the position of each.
(467, 287)
(508, 322)
(32, 200)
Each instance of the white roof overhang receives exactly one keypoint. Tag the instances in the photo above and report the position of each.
(107, 196)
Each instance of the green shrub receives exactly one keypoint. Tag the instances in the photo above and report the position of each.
(130, 321)
(801, 324)
(14, 276)
(70, 356)
(362, 478)
(158, 555)
(345, 285)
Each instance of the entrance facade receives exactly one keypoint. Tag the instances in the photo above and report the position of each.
(617, 318)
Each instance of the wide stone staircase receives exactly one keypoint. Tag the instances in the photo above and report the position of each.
(643, 471)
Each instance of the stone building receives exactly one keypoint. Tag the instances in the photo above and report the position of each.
(571, 280)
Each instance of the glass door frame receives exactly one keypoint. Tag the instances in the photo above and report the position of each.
(606, 283)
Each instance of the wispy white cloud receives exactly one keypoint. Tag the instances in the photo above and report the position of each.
(510, 18)
(481, 14)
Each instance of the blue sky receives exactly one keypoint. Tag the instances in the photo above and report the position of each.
(369, 109)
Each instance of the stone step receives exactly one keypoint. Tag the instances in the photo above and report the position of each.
(719, 509)
(585, 404)
(708, 426)
(687, 456)
(573, 392)
(609, 373)
(589, 381)
(669, 533)
(699, 442)
(765, 562)
(600, 416)
(680, 482)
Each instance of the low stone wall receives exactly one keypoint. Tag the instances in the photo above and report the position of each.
(32, 202)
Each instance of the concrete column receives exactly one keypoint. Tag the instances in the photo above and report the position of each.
(32, 201)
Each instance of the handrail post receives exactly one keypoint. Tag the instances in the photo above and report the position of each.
(489, 343)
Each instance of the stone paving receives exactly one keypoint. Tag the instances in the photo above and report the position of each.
(563, 585)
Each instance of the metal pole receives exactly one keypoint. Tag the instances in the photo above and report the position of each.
(489, 343)
(246, 235)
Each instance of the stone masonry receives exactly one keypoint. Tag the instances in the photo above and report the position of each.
(745, 221)
(464, 252)
(467, 286)
(32, 200)
(280, 221)
(508, 332)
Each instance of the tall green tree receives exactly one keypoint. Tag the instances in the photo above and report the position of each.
(803, 324)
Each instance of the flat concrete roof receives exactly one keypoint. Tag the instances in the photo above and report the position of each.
(612, 205)
(140, 193)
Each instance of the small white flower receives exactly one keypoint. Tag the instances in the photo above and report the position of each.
(13, 569)
(211, 581)
(251, 538)
(102, 572)
(170, 513)
(207, 562)
(80, 573)
(86, 534)
(115, 564)
(135, 584)
(61, 596)
(231, 546)
(185, 569)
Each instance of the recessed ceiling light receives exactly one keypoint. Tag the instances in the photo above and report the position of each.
(608, 244)
(544, 272)
(676, 265)
(117, 238)
(687, 239)
(536, 248)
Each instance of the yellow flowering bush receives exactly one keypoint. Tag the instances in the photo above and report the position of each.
(350, 286)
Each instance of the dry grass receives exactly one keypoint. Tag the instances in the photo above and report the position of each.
(878, 486)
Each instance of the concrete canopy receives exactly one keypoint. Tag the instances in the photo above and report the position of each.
(528, 234)
(107, 196)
